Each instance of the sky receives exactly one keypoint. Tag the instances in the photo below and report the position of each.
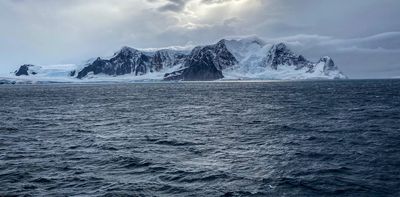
(362, 36)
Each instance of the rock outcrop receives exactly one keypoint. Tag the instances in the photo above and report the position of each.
(26, 69)
(133, 61)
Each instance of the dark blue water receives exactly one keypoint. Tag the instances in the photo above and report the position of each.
(338, 138)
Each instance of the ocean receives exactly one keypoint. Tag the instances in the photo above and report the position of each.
(303, 138)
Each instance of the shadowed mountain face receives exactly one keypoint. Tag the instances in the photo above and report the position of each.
(196, 70)
(132, 61)
(280, 54)
(25, 70)
(249, 58)
(205, 64)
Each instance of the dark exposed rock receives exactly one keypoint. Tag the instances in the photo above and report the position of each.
(72, 73)
(166, 58)
(174, 76)
(205, 64)
(222, 57)
(197, 70)
(132, 61)
(127, 61)
(202, 71)
(329, 64)
(24, 70)
(280, 54)
(4, 81)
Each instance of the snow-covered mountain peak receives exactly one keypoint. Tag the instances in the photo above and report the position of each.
(127, 51)
(280, 54)
(329, 68)
(280, 47)
(326, 59)
(168, 52)
(245, 48)
(279, 50)
(247, 39)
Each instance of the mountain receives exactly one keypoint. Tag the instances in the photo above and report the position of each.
(132, 61)
(229, 59)
(252, 58)
(26, 69)
(204, 64)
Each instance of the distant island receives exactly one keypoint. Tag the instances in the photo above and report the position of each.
(229, 59)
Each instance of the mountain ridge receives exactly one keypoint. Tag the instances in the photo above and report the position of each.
(247, 58)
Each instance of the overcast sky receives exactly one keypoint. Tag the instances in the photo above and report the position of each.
(363, 36)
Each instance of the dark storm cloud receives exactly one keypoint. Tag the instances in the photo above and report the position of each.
(174, 5)
(362, 35)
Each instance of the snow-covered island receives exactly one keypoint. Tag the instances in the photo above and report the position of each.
(229, 59)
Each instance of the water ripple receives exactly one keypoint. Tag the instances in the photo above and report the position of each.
(333, 138)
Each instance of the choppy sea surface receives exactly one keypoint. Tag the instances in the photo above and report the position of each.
(313, 138)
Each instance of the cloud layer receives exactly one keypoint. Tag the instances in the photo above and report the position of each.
(361, 35)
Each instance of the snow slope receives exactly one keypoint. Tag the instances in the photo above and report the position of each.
(256, 57)
(44, 74)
